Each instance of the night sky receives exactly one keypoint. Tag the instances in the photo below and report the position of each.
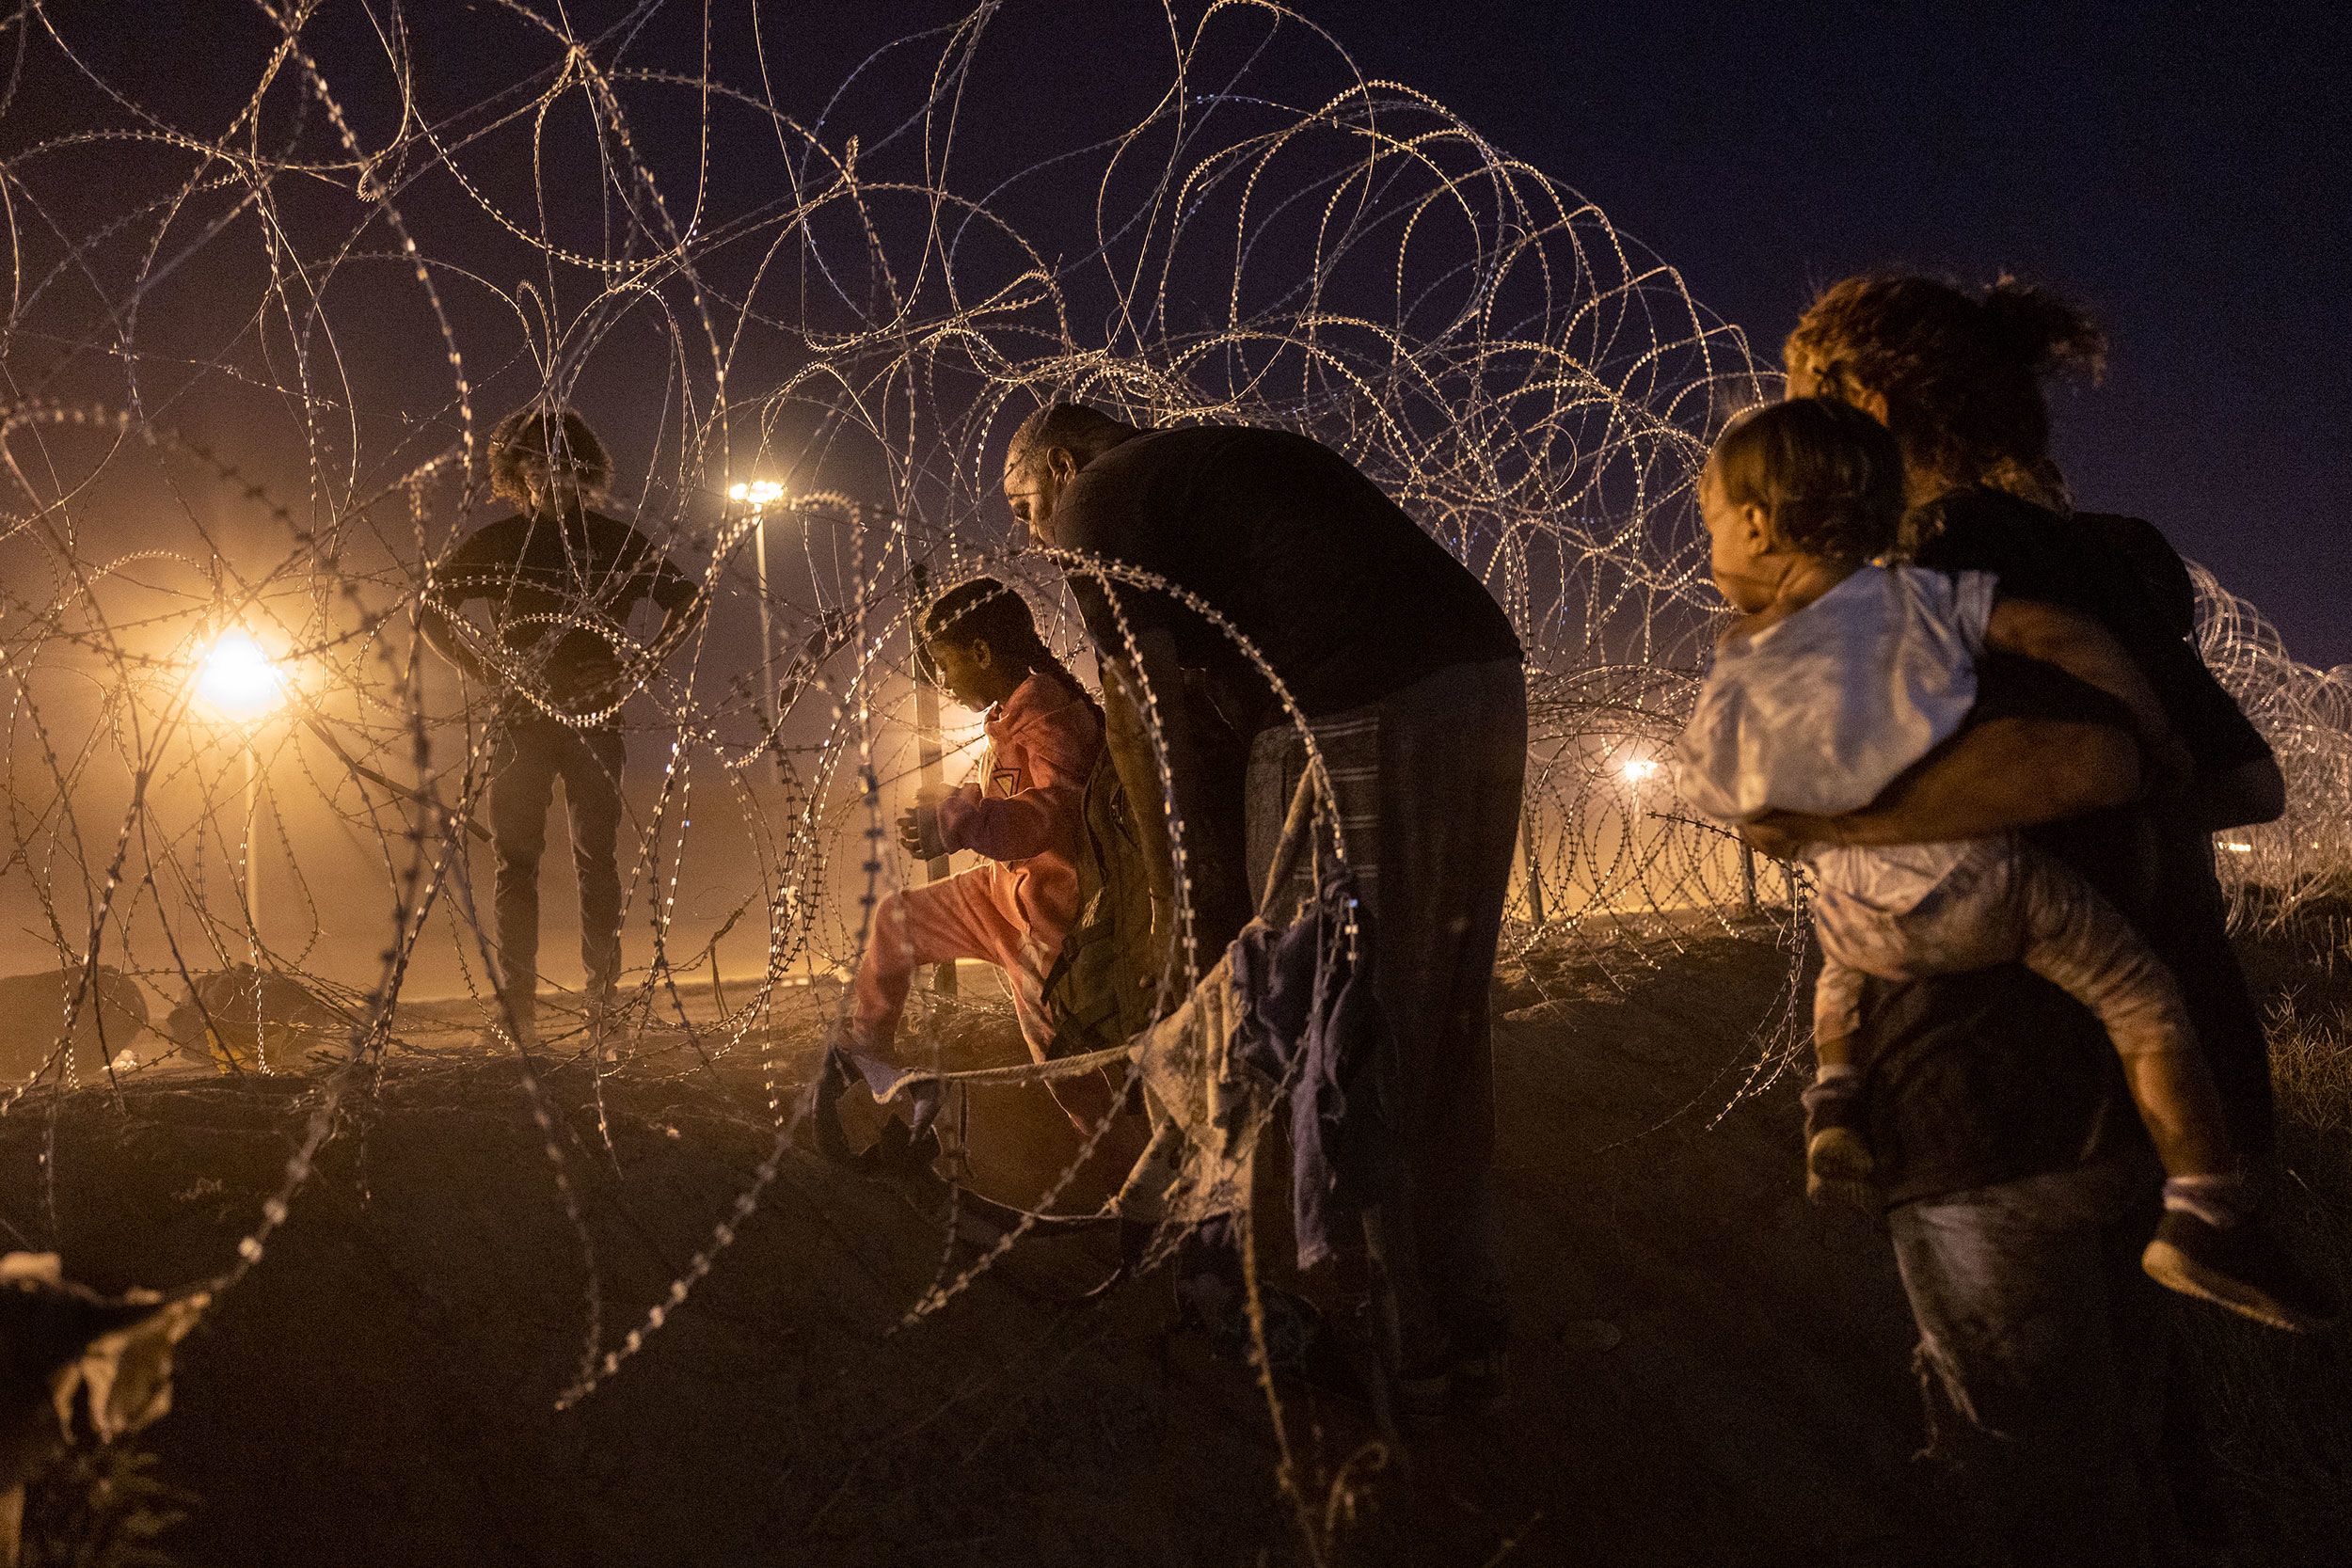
(2183, 170)
(2180, 170)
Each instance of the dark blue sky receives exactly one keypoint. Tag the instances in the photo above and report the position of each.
(2184, 170)
(2181, 169)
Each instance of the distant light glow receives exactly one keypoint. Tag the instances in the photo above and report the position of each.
(2238, 847)
(759, 492)
(237, 678)
(1637, 770)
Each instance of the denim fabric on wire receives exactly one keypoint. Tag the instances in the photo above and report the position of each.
(1312, 1023)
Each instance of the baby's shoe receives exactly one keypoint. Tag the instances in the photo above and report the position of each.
(1838, 1168)
(2240, 1266)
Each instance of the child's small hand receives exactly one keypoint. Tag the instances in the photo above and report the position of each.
(918, 827)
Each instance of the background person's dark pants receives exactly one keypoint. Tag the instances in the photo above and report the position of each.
(530, 754)
(2042, 1358)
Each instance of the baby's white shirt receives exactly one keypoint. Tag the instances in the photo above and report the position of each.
(1819, 712)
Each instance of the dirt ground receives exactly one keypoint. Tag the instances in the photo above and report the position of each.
(1707, 1369)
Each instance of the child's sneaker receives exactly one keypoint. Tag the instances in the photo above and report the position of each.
(2241, 1267)
(1838, 1168)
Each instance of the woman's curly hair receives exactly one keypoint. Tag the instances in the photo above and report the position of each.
(535, 438)
(1960, 372)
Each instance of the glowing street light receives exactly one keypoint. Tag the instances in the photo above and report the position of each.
(237, 678)
(240, 681)
(759, 495)
(1636, 771)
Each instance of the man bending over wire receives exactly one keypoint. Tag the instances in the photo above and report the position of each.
(1409, 674)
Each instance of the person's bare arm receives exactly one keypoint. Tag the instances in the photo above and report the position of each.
(2074, 642)
(1128, 735)
(1996, 777)
(683, 607)
(449, 584)
(2253, 791)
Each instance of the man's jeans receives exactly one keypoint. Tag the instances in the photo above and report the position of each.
(2041, 1361)
(531, 754)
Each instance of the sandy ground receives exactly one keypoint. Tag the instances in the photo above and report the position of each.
(1706, 1369)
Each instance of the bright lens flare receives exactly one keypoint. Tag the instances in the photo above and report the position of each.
(1639, 769)
(237, 679)
(759, 492)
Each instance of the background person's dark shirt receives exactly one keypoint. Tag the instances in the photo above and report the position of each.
(1980, 1078)
(1341, 590)
(2119, 570)
(588, 566)
(2187, 921)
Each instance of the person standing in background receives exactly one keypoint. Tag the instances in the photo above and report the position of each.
(560, 582)
(2019, 1187)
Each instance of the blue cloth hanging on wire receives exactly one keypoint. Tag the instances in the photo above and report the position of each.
(1310, 1023)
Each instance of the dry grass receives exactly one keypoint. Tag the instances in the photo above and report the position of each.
(100, 1505)
(2280, 1407)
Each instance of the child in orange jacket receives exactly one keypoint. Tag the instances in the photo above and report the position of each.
(1025, 819)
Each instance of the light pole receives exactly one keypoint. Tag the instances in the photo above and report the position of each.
(1636, 772)
(242, 683)
(761, 493)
